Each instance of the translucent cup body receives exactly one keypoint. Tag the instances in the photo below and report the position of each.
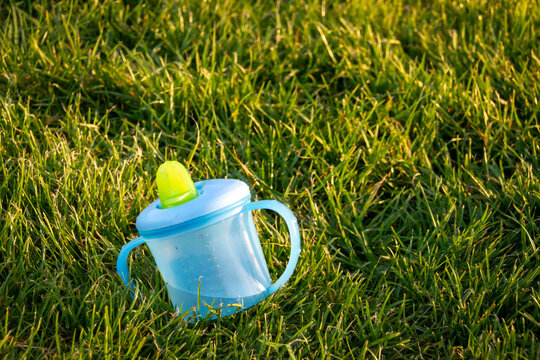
(219, 265)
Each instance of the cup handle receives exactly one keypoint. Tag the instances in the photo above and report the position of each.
(292, 224)
(121, 261)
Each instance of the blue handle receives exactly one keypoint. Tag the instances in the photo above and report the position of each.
(292, 224)
(121, 262)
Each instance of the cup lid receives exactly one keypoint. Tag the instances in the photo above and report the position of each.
(213, 196)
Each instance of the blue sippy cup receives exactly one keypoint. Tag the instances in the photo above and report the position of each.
(205, 244)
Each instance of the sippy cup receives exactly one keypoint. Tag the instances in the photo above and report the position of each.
(204, 242)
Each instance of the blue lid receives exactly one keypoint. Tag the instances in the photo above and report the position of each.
(214, 195)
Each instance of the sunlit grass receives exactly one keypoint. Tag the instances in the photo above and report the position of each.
(404, 136)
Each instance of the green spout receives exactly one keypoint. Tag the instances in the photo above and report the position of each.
(174, 184)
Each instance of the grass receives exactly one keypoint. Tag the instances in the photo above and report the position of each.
(403, 134)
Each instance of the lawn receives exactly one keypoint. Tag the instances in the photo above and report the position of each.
(404, 135)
